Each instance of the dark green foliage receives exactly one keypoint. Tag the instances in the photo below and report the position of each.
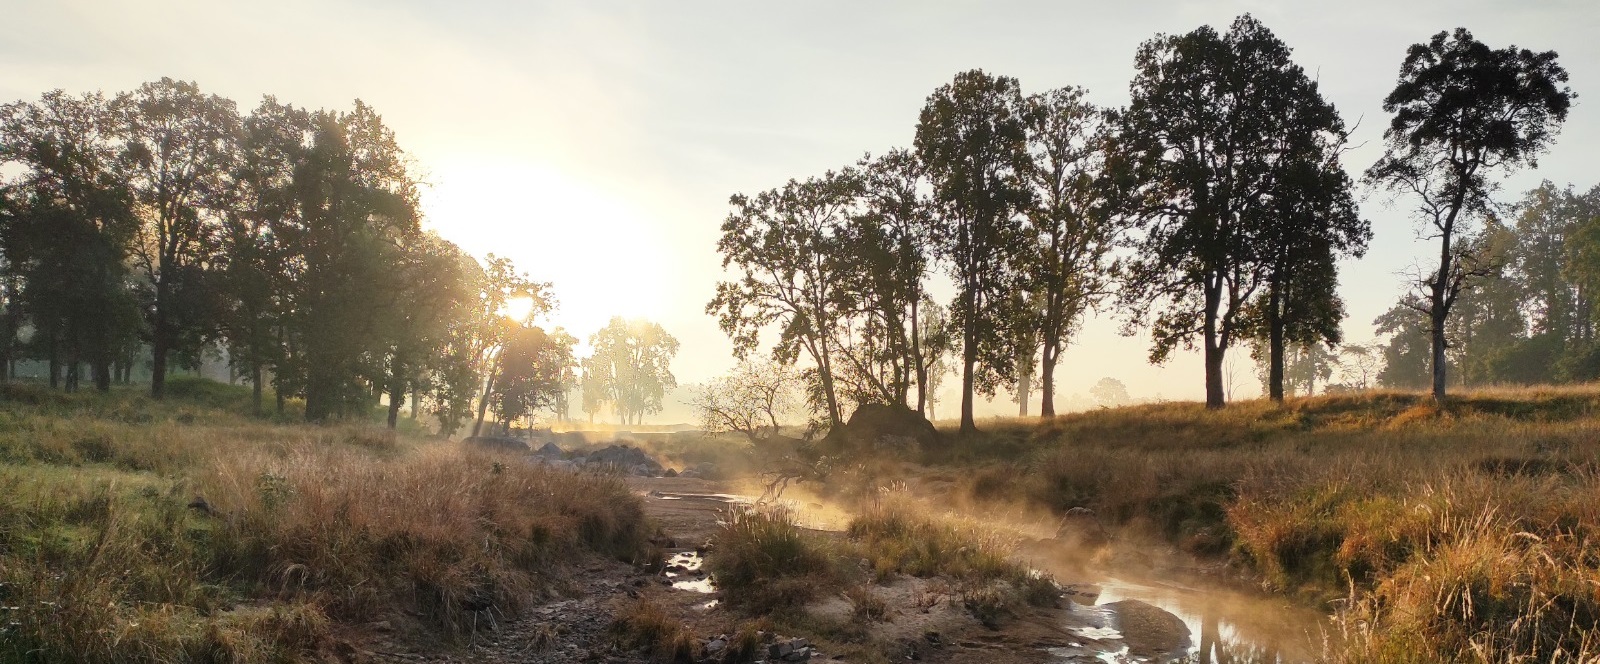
(1231, 155)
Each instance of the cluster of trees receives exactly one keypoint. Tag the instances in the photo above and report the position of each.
(1213, 208)
(1528, 316)
(161, 224)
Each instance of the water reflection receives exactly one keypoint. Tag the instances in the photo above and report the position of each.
(1137, 622)
(683, 570)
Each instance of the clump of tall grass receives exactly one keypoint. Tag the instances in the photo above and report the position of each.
(895, 537)
(645, 626)
(1486, 592)
(764, 562)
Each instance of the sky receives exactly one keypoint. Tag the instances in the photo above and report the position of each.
(596, 143)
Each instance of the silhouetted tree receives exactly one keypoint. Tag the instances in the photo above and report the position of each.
(1210, 126)
(1462, 112)
(179, 144)
(531, 370)
(66, 231)
(1074, 218)
(787, 248)
(972, 139)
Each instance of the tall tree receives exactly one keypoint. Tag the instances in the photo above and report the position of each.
(257, 267)
(972, 139)
(1462, 113)
(178, 143)
(67, 231)
(1074, 219)
(786, 246)
(1314, 223)
(632, 365)
(531, 372)
(1202, 140)
(357, 202)
(885, 249)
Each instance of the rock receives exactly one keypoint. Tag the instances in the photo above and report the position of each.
(671, 472)
(626, 458)
(891, 428)
(779, 650)
(691, 474)
(550, 451)
(716, 646)
(1080, 526)
(200, 505)
(1149, 630)
(497, 444)
(798, 655)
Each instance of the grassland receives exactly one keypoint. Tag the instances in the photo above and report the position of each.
(1469, 531)
(183, 530)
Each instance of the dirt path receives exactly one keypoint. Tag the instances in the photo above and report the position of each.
(926, 621)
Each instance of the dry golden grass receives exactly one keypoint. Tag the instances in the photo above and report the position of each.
(1461, 532)
(106, 561)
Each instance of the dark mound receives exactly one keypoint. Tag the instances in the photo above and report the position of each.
(626, 458)
(886, 427)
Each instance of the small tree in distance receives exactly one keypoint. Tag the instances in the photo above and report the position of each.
(752, 401)
(1110, 393)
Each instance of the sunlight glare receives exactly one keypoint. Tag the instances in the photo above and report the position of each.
(603, 256)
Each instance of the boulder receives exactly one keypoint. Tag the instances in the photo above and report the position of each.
(497, 444)
(550, 451)
(624, 457)
(889, 428)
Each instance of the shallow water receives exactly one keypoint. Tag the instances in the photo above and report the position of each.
(1223, 625)
(683, 569)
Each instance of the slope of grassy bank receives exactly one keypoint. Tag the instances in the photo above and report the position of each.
(1467, 531)
(133, 530)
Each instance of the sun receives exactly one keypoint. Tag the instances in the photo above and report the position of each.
(602, 255)
(518, 308)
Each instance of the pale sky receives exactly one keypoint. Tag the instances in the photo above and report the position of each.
(596, 143)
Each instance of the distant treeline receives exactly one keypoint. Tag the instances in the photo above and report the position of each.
(1210, 211)
(163, 221)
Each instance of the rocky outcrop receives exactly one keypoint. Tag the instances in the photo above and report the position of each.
(886, 428)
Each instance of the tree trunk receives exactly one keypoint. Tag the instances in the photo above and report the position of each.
(825, 374)
(916, 352)
(255, 387)
(158, 363)
(483, 403)
(1275, 344)
(1215, 398)
(102, 376)
(1437, 313)
(1047, 392)
(55, 366)
(1024, 392)
(397, 396)
(969, 360)
(1437, 335)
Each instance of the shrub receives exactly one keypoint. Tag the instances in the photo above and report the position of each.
(763, 561)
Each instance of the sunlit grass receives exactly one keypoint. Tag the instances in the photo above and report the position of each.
(109, 555)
